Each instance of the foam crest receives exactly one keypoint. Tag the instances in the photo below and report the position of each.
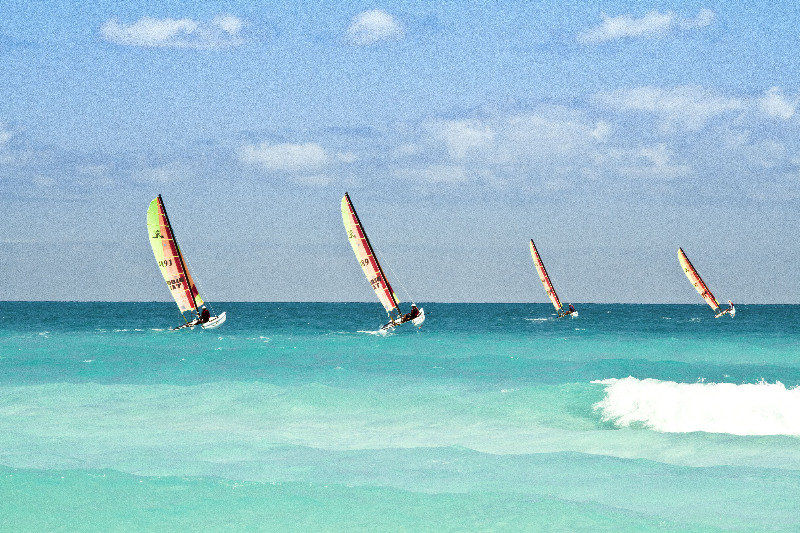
(666, 406)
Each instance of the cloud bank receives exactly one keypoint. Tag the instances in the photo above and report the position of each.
(222, 31)
(285, 156)
(653, 24)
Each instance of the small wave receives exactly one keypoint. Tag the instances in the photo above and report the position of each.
(669, 407)
(537, 319)
(378, 332)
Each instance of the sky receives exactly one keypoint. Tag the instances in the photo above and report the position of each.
(610, 133)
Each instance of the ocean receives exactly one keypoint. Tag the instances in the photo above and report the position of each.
(492, 417)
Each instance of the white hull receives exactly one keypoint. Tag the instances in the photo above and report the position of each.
(416, 321)
(420, 319)
(214, 322)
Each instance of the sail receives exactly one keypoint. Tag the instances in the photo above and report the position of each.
(548, 286)
(366, 256)
(696, 280)
(170, 259)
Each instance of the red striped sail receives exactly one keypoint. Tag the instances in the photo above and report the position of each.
(548, 286)
(366, 256)
(170, 259)
(696, 280)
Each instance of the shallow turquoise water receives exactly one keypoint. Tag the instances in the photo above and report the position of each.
(492, 417)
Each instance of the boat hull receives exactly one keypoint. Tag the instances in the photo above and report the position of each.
(214, 321)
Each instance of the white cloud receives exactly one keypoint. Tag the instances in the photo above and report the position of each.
(5, 134)
(545, 136)
(775, 105)
(685, 107)
(653, 24)
(287, 156)
(601, 131)
(464, 136)
(346, 157)
(552, 144)
(656, 162)
(223, 30)
(704, 18)
(373, 26)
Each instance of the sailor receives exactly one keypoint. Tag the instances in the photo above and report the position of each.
(204, 317)
(411, 315)
(571, 309)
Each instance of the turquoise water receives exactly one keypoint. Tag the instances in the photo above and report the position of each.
(492, 417)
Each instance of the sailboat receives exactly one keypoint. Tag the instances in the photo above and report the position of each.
(366, 257)
(175, 270)
(702, 288)
(548, 285)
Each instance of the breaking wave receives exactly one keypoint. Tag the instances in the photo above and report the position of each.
(666, 406)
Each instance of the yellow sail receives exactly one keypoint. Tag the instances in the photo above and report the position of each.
(170, 259)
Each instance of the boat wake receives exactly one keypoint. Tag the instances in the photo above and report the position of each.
(378, 332)
(669, 407)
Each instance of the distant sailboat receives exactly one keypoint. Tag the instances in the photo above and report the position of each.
(175, 270)
(548, 286)
(702, 288)
(372, 269)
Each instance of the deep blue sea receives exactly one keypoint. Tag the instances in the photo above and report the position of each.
(492, 417)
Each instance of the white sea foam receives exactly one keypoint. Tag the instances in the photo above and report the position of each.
(379, 332)
(537, 319)
(666, 406)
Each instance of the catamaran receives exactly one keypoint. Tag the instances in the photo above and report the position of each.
(702, 288)
(366, 257)
(548, 286)
(175, 270)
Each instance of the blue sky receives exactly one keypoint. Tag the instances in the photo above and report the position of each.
(609, 133)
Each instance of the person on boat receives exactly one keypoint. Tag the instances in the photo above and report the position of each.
(571, 309)
(731, 310)
(204, 316)
(411, 315)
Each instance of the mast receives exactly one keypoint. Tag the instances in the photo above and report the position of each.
(372, 252)
(180, 254)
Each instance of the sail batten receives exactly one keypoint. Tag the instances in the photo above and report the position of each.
(366, 257)
(544, 277)
(170, 259)
(697, 281)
